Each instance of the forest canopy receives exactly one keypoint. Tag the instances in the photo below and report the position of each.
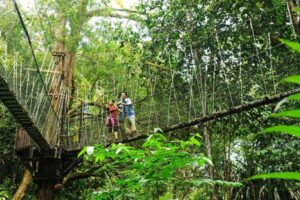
(149, 99)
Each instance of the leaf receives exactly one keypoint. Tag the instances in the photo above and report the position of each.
(291, 130)
(297, 10)
(293, 45)
(150, 136)
(142, 181)
(90, 150)
(199, 182)
(198, 135)
(195, 141)
(292, 79)
(289, 113)
(209, 161)
(294, 97)
(219, 182)
(157, 130)
(114, 146)
(278, 175)
(99, 158)
(82, 152)
(160, 136)
(119, 150)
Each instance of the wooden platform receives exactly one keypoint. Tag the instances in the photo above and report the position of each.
(52, 165)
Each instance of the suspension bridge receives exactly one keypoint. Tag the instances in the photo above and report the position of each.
(50, 134)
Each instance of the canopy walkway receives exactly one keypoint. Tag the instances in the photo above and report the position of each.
(19, 110)
(31, 87)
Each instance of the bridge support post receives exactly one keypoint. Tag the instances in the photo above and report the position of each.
(47, 167)
(45, 190)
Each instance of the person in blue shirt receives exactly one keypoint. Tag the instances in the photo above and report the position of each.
(128, 113)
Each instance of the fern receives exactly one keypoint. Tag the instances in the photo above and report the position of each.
(292, 130)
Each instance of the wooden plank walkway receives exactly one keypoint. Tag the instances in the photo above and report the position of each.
(10, 101)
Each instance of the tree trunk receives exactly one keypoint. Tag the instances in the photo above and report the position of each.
(69, 68)
(45, 190)
(208, 144)
(227, 160)
(294, 15)
(23, 186)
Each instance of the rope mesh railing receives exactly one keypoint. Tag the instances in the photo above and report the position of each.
(174, 106)
(157, 111)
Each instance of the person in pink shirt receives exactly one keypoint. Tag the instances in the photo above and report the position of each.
(112, 120)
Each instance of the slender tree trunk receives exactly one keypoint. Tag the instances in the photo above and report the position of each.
(208, 144)
(294, 15)
(23, 186)
(206, 131)
(174, 192)
(227, 160)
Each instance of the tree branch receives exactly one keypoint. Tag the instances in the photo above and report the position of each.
(233, 110)
(114, 13)
(23, 186)
(79, 175)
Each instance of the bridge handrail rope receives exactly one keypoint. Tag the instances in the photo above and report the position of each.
(32, 52)
(177, 85)
(222, 91)
(181, 84)
(281, 69)
(223, 66)
(148, 123)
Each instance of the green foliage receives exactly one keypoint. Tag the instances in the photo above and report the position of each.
(294, 97)
(285, 129)
(175, 36)
(293, 45)
(280, 175)
(5, 189)
(146, 173)
(8, 166)
(288, 113)
(292, 130)
(292, 79)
